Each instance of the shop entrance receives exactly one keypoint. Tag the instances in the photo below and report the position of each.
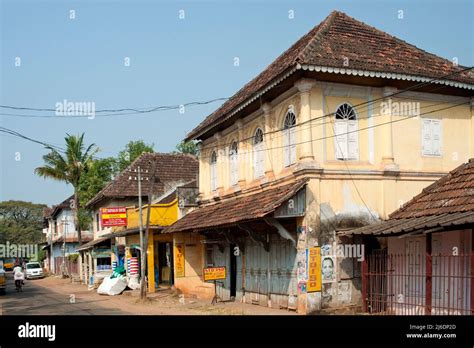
(164, 263)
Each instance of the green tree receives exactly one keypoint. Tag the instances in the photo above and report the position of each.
(99, 173)
(187, 147)
(21, 222)
(69, 168)
(132, 151)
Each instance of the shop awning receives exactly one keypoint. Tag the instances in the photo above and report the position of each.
(432, 223)
(92, 243)
(238, 209)
(130, 232)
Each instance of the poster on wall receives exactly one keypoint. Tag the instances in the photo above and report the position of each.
(314, 270)
(328, 269)
(301, 261)
(179, 260)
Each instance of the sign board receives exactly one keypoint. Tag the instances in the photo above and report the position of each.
(115, 216)
(214, 273)
(179, 260)
(314, 269)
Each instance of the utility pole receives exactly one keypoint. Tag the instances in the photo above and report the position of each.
(147, 233)
(140, 227)
(51, 259)
(64, 223)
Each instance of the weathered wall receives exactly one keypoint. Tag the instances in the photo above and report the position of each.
(191, 283)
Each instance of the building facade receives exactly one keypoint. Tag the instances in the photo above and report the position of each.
(340, 130)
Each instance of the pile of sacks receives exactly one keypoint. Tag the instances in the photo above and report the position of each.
(114, 284)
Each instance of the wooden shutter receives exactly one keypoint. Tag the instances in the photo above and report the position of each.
(426, 140)
(340, 139)
(292, 141)
(234, 169)
(352, 140)
(261, 159)
(213, 176)
(436, 137)
(286, 147)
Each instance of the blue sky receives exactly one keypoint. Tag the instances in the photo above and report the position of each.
(172, 61)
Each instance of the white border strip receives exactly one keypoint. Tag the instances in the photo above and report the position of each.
(386, 75)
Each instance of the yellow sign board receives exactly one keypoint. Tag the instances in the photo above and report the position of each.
(214, 273)
(314, 270)
(179, 260)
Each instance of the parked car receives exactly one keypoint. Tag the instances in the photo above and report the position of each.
(34, 270)
(3, 281)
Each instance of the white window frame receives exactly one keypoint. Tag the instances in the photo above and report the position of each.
(289, 138)
(349, 133)
(258, 154)
(213, 170)
(234, 163)
(432, 122)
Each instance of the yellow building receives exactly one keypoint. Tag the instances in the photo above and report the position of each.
(164, 176)
(340, 130)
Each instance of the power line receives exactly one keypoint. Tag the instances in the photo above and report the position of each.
(113, 112)
(349, 132)
(40, 142)
(364, 104)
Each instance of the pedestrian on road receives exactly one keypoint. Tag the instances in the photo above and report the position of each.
(19, 278)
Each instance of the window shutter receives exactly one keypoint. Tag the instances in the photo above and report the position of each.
(261, 160)
(286, 147)
(234, 173)
(436, 137)
(426, 142)
(292, 149)
(213, 177)
(352, 140)
(340, 139)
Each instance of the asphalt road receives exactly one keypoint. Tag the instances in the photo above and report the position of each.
(37, 300)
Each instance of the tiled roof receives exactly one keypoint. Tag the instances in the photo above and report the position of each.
(327, 45)
(66, 204)
(170, 168)
(453, 193)
(238, 209)
(447, 202)
(47, 212)
(414, 224)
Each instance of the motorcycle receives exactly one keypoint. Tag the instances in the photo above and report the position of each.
(18, 285)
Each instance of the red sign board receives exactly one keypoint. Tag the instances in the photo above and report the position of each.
(115, 216)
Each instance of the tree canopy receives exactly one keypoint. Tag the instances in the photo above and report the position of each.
(21, 222)
(187, 147)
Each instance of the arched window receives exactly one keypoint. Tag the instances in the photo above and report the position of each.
(234, 164)
(289, 138)
(258, 154)
(346, 133)
(213, 171)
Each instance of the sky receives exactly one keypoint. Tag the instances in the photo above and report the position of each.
(172, 61)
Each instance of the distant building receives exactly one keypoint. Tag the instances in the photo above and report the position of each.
(60, 233)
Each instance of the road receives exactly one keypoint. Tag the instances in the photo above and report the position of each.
(52, 296)
(39, 300)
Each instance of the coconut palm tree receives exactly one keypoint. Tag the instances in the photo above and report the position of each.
(69, 167)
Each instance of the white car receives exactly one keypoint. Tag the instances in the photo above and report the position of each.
(34, 270)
